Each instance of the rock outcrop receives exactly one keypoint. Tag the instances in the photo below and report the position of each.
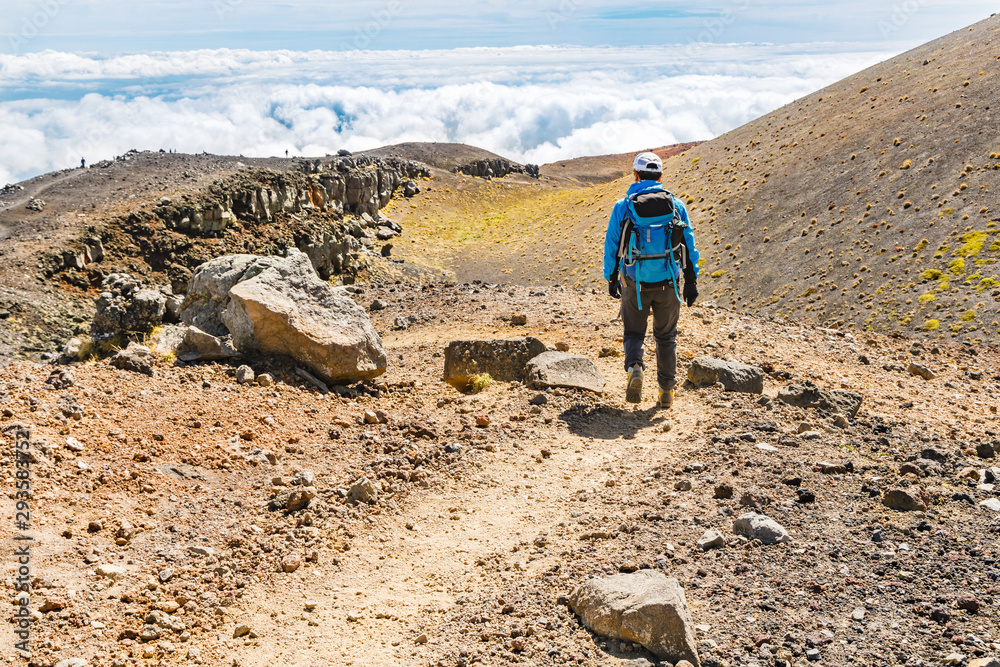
(504, 360)
(125, 306)
(288, 310)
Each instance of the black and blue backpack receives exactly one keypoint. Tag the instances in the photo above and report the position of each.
(653, 237)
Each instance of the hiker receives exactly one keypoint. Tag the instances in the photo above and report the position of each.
(83, 163)
(648, 246)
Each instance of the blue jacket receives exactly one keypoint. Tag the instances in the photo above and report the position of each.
(649, 271)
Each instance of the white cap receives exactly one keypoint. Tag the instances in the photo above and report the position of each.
(650, 162)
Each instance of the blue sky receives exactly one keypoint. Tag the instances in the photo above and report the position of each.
(534, 80)
(128, 26)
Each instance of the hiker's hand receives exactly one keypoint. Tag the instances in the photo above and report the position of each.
(690, 292)
(615, 289)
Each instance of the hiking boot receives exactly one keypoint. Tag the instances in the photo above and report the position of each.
(666, 399)
(633, 388)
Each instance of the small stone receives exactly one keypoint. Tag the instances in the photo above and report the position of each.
(519, 320)
(95, 527)
(74, 445)
(421, 638)
(363, 491)
(954, 659)
(562, 347)
(265, 380)
(858, 614)
(992, 505)
(919, 370)
(310, 605)
(370, 417)
(969, 603)
(539, 400)
(245, 375)
(724, 491)
(683, 485)
(112, 572)
(165, 575)
(912, 498)
(712, 539)
(755, 526)
(291, 563)
(812, 654)
(198, 550)
(482, 421)
(377, 305)
(242, 630)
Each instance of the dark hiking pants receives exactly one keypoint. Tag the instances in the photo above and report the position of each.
(662, 301)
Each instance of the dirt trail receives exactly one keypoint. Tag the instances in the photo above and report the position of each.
(405, 570)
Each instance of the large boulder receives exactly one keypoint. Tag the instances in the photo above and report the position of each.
(644, 607)
(504, 360)
(734, 376)
(808, 395)
(558, 369)
(208, 294)
(288, 310)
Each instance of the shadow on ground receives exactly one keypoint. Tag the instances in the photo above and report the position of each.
(604, 422)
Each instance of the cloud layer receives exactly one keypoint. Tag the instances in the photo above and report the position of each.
(535, 104)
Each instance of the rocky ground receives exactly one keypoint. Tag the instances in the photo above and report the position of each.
(170, 527)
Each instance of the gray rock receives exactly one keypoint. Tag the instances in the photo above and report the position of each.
(288, 310)
(304, 478)
(135, 358)
(712, 539)
(504, 360)
(558, 369)
(208, 294)
(809, 395)
(245, 375)
(912, 498)
(755, 526)
(363, 491)
(734, 376)
(920, 370)
(644, 607)
(201, 346)
(992, 505)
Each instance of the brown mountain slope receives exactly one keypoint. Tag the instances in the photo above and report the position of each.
(871, 203)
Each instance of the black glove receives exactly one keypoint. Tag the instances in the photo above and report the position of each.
(690, 292)
(615, 288)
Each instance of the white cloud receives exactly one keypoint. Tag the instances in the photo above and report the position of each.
(534, 104)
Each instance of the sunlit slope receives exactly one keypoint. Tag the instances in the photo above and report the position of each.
(871, 203)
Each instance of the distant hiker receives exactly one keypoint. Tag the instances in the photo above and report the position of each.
(648, 246)
(83, 163)
(286, 152)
